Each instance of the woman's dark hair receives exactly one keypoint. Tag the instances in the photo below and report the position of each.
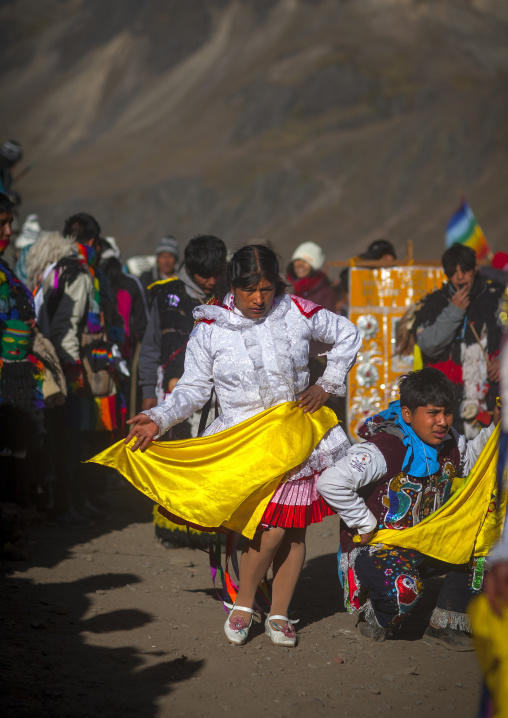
(458, 255)
(426, 386)
(379, 249)
(250, 265)
(205, 256)
(83, 227)
(111, 266)
(5, 203)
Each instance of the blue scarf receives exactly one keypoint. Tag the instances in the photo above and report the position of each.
(420, 459)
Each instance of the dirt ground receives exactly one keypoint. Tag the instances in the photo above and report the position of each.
(104, 621)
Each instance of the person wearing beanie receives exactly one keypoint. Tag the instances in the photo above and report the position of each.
(304, 273)
(167, 254)
(109, 248)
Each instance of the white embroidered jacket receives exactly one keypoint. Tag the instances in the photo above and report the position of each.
(257, 364)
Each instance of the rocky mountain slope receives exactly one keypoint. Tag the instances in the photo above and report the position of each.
(339, 121)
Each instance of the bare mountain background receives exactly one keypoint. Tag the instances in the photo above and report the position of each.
(339, 121)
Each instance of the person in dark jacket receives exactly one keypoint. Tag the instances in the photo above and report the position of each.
(309, 282)
(130, 298)
(162, 355)
(132, 307)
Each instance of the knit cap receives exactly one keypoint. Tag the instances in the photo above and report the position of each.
(168, 244)
(113, 249)
(11, 151)
(29, 233)
(311, 253)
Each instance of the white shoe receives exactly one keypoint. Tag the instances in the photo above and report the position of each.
(284, 634)
(236, 629)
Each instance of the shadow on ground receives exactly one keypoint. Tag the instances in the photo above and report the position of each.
(48, 661)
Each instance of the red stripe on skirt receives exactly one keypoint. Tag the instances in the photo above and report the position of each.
(296, 504)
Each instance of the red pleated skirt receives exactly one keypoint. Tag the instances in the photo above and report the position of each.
(296, 504)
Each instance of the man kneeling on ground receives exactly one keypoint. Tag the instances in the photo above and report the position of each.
(399, 476)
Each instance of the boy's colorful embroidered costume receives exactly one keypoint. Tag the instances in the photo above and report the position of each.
(392, 483)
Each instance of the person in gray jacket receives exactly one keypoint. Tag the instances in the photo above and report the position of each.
(162, 355)
(457, 332)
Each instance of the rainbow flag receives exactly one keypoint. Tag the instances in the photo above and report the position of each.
(464, 229)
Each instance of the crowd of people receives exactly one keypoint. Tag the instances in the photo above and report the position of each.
(204, 345)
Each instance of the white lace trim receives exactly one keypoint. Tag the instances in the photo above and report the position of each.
(337, 390)
(332, 447)
(163, 417)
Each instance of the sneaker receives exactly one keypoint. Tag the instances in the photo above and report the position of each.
(71, 519)
(450, 638)
(371, 633)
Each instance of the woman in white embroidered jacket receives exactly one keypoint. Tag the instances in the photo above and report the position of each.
(254, 350)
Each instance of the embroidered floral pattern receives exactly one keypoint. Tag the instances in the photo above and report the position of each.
(238, 623)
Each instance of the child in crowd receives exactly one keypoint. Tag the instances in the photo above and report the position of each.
(399, 476)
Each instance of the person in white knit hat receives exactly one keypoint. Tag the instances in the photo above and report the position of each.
(311, 253)
(304, 273)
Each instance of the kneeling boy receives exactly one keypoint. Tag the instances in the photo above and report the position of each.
(399, 476)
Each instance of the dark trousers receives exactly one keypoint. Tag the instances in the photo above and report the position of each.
(76, 482)
(392, 580)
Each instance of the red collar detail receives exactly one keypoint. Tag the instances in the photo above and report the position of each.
(306, 307)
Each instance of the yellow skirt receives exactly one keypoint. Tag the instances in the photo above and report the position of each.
(225, 479)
